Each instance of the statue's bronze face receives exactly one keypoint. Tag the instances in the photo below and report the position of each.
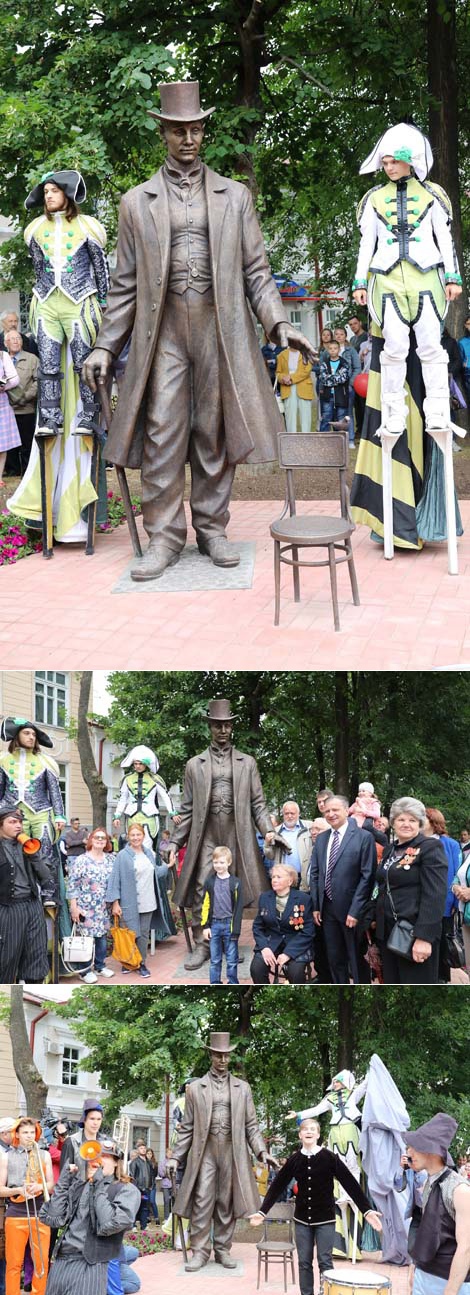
(183, 140)
(220, 1062)
(221, 731)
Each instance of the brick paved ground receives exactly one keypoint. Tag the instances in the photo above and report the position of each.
(167, 965)
(164, 1274)
(413, 615)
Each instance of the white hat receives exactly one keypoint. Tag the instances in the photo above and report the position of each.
(7, 1125)
(405, 143)
(368, 787)
(145, 755)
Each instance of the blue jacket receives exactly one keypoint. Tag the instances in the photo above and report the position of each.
(293, 933)
(454, 857)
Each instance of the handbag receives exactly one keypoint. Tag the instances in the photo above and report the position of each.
(454, 949)
(402, 936)
(124, 946)
(79, 946)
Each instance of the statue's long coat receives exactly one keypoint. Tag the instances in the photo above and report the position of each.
(250, 811)
(136, 302)
(193, 1136)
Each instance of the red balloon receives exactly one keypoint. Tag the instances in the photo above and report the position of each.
(360, 384)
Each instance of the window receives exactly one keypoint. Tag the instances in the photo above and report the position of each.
(63, 784)
(140, 1133)
(50, 697)
(70, 1067)
(296, 318)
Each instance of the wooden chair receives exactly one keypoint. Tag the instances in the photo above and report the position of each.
(277, 1252)
(320, 450)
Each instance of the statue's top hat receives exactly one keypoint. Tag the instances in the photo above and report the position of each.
(219, 709)
(179, 101)
(220, 1042)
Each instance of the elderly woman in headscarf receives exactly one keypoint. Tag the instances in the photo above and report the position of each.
(412, 886)
(143, 792)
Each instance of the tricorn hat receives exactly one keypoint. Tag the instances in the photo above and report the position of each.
(71, 182)
(220, 1042)
(144, 755)
(219, 709)
(434, 1137)
(179, 101)
(12, 725)
(405, 143)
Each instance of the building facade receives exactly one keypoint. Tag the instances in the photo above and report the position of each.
(59, 1057)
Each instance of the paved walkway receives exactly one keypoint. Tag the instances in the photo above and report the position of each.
(166, 965)
(413, 615)
(164, 1273)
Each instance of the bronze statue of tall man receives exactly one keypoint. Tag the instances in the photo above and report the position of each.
(190, 262)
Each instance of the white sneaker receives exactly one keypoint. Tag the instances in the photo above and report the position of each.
(104, 971)
(90, 978)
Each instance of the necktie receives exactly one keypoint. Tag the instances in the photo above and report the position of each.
(331, 863)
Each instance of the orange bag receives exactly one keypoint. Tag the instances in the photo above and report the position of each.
(124, 946)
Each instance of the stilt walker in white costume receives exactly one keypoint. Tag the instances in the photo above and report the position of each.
(66, 247)
(143, 792)
(407, 273)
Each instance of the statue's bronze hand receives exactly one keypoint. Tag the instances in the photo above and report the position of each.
(96, 368)
(286, 335)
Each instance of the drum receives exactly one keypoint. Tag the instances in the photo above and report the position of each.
(350, 1280)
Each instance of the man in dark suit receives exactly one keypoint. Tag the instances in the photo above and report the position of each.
(341, 882)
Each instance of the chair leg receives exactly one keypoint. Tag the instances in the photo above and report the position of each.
(284, 1264)
(293, 1269)
(259, 1269)
(277, 581)
(352, 574)
(334, 586)
(296, 574)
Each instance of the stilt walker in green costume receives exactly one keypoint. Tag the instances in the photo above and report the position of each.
(142, 793)
(341, 1100)
(29, 781)
(407, 273)
(67, 250)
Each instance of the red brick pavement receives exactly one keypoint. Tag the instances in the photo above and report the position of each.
(413, 615)
(164, 1274)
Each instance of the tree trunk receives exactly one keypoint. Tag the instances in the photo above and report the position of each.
(443, 125)
(95, 784)
(252, 18)
(35, 1090)
(342, 733)
(346, 1003)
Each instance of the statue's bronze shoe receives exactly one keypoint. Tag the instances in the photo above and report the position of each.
(219, 551)
(154, 562)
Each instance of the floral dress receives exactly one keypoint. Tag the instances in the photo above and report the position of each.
(87, 884)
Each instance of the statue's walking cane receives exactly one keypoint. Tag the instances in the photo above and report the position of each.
(121, 476)
(178, 1216)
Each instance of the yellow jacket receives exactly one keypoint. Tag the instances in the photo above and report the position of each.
(301, 378)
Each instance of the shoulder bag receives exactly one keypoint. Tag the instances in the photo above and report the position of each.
(402, 936)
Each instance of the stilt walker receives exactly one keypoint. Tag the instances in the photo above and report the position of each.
(407, 273)
(66, 247)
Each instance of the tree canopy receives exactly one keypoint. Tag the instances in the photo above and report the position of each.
(301, 92)
(290, 1043)
(312, 728)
